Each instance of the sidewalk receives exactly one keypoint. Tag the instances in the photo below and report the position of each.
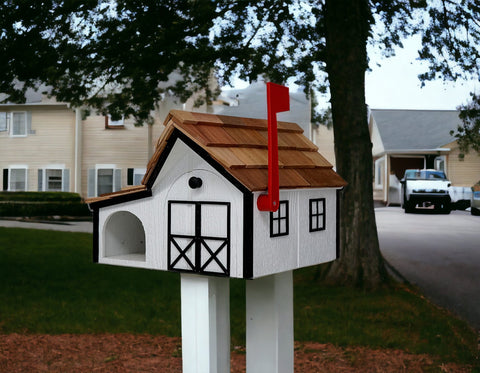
(70, 226)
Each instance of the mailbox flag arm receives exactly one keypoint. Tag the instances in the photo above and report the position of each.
(278, 100)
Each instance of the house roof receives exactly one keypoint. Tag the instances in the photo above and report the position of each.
(32, 96)
(250, 102)
(240, 146)
(415, 129)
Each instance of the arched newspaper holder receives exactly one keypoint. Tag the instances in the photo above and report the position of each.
(196, 213)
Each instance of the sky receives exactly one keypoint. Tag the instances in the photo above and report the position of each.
(395, 84)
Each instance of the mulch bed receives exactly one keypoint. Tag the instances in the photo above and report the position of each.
(144, 353)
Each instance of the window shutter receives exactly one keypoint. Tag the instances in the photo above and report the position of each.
(130, 176)
(66, 180)
(29, 123)
(91, 183)
(3, 122)
(40, 180)
(5, 179)
(117, 183)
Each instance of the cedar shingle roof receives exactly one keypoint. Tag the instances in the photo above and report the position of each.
(240, 145)
(124, 192)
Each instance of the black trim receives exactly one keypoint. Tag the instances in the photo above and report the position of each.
(95, 235)
(169, 229)
(247, 194)
(198, 233)
(121, 198)
(337, 230)
(316, 227)
(5, 179)
(247, 235)
(248, 203)
(162, 159)
(198, 243)
(176, 134)
(276, 218)
(130, 172)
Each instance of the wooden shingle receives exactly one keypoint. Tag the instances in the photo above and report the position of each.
(240, 145)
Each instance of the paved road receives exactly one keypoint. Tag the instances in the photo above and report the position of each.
(80, 226)
(438, 253)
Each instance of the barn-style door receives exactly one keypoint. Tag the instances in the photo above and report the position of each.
(199, 237)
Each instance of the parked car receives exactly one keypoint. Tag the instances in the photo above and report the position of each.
(475, 204)
(426, 189)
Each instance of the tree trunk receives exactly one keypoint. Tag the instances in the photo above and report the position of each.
(347, 26)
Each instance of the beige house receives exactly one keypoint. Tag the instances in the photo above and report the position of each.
(251, 102)
(405, 139)
(322, 136)
(48, 146)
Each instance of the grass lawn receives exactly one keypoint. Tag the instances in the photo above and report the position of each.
(49, 285)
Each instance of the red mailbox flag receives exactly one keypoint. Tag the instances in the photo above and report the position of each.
(278, 100)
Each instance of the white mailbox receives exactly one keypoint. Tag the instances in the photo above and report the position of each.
(227, 197)
(196, 210)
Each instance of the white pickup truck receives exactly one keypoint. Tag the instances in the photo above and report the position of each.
(426, 189)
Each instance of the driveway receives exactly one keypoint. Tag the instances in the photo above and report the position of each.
(438, 253)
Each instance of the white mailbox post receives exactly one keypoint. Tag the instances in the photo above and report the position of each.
(196, 213)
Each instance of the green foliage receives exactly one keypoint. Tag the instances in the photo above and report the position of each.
(44, 209)
(40, 196)
(42, 204)
(396, 316)
(122, 57)
(450, 39)
(115, 57)
(468, 134)
(50, 285)
(323, 118)
(288, 39)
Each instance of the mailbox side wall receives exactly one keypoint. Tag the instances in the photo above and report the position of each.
(141, 210)
(172, 185)
(300, 248)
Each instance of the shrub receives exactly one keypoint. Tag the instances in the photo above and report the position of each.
(42, 204)
(40, 196)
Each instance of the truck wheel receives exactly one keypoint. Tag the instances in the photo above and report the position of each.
(474, 211)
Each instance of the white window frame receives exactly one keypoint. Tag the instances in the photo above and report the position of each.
(59, 167)
(12, 114)
(438, 160)
(47, 181)
(97, 185)
(109, 123)
(380, 172)
(17, 167)
(5, 114)
(112, 167)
